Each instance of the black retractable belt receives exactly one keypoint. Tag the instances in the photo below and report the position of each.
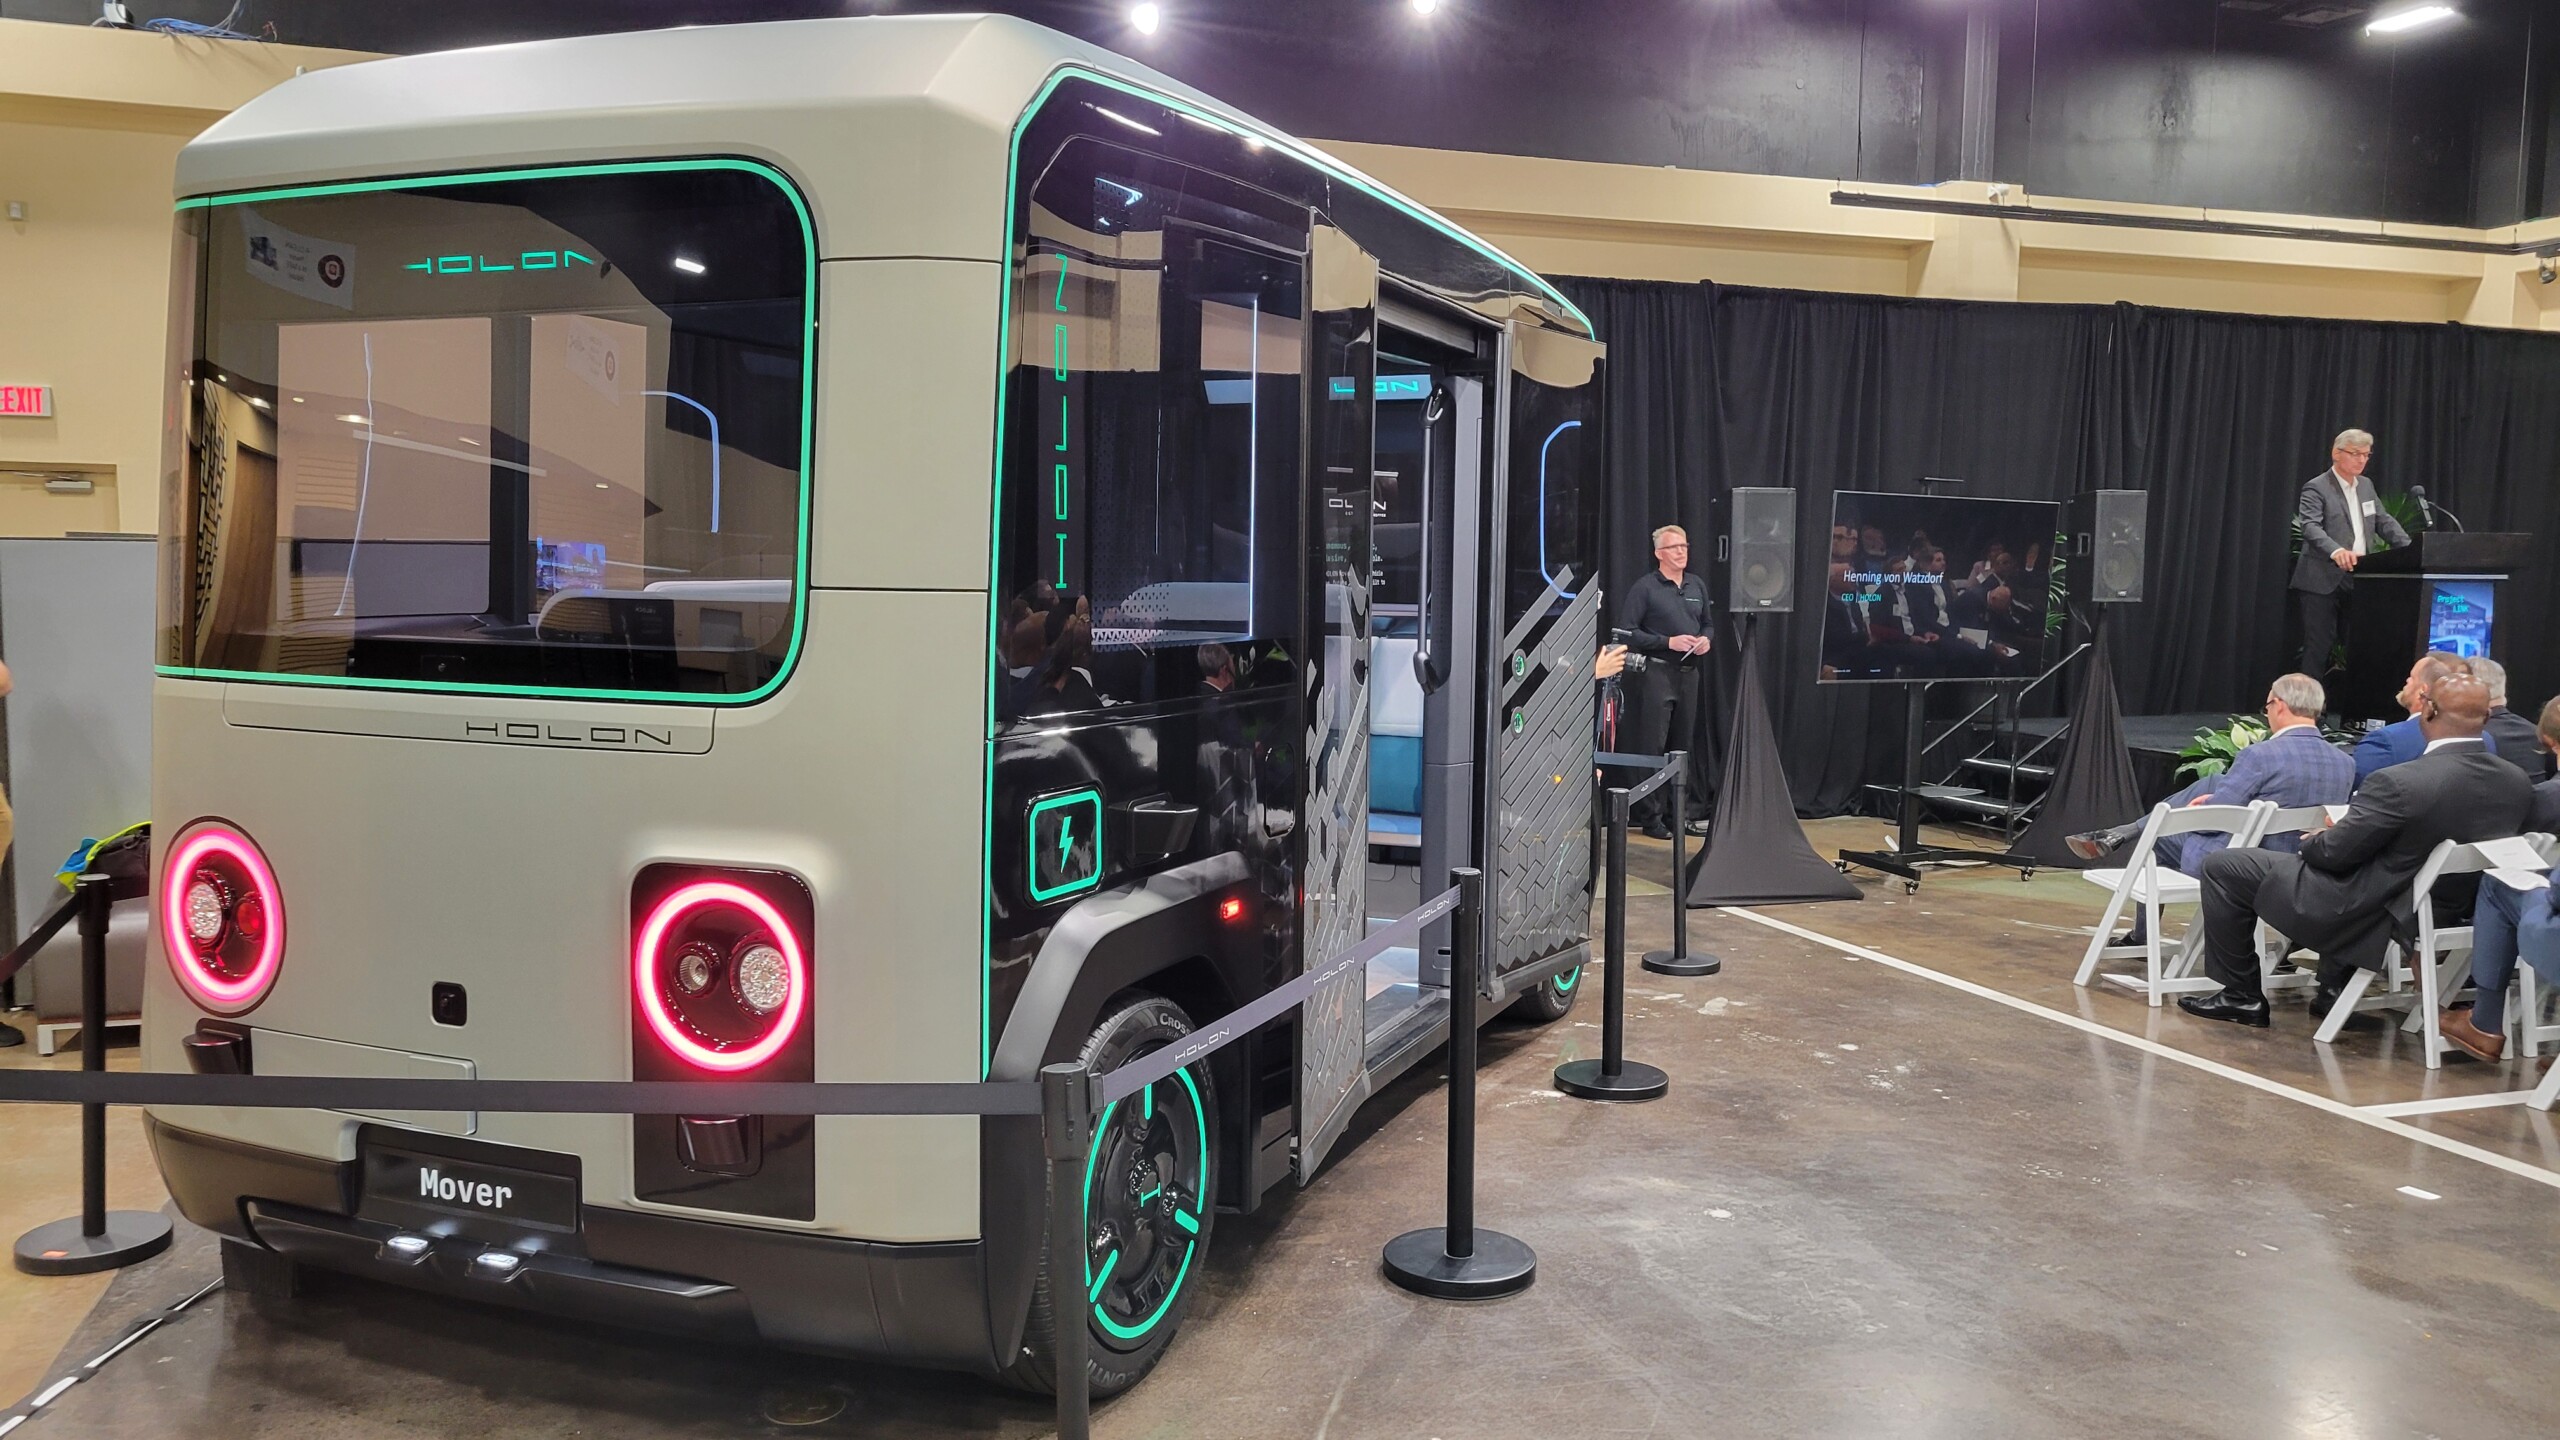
(97, 1238)
(1613, 1076)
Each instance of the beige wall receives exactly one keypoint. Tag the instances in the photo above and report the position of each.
(90, 123)
(1568, 217)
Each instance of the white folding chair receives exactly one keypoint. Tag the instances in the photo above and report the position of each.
(2440, 979)
(2524, 1016)
(2273, 948)
(2439, 950)
(2168, 966)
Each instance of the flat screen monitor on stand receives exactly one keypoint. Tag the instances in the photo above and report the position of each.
(1928, 589)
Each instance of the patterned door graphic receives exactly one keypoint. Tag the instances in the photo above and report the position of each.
(1334, 823)
(1542, 786)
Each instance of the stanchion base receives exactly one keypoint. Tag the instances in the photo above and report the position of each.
(1419, 1261)
(60, 1248)
(1582, 1080)
(1663, 962)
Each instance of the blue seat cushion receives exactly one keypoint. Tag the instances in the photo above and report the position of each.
(1395, 774)
(1388, 822)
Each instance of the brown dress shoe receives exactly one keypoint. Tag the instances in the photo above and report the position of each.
(2480, 1044)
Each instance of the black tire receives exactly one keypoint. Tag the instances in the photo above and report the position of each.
(1146, 1227)
(1548, 1001)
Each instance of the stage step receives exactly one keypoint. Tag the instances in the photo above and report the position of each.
(1984, 806)
(1992, 764)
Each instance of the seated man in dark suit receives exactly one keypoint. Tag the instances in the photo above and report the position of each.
(2347, 894)
(2511, 735)
(2511, 925)
(2293, 766)
(2400, 741)
(1989, 617)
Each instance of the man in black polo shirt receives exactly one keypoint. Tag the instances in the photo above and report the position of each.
(1667, 620)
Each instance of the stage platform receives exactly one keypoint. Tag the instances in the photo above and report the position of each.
(2155, 741)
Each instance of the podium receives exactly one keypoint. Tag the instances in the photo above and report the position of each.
(2440, 592)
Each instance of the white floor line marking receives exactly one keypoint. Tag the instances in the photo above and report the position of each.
(2449, 1104)
(2149, 1046)
(2414, 1193)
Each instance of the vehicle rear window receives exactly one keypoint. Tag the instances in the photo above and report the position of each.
(539, 431)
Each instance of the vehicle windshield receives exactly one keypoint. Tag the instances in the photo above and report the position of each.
(541, 432)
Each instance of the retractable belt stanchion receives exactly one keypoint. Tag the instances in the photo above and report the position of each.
(1677, 960)
(97, 1239)
(1458, 1261)
(1066, 1133)
(1613, 1076)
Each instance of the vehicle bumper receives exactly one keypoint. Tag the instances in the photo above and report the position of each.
(918, 1305)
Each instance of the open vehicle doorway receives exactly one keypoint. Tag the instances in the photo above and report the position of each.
(1428, 586)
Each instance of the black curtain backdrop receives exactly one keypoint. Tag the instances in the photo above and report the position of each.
(2219, 417)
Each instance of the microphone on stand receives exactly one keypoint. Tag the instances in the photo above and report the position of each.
(2429, 510)
(2426, 511)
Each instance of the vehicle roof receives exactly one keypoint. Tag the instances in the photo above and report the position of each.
(897, 129)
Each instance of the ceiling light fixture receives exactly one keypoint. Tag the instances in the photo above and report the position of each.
(1425, 7)
(690, 266)
(1145, 18)
(2411, 19)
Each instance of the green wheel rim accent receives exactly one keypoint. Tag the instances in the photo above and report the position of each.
(1566, 981)
(1095, 1283)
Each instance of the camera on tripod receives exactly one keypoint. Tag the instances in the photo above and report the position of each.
(1636, 660)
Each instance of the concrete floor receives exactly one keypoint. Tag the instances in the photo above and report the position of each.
(1873, 1205)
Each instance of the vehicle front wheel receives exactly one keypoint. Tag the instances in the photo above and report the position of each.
(1149, 1182)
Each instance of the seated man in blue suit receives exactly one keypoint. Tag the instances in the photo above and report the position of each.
(2293, 766)
(2511, 925)
(2400, 741)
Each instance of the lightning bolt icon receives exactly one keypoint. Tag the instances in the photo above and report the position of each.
(1066, 839)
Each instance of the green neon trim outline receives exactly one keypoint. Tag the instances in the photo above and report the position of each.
(426, 265)
(1151, 1194)
(1110, 1262)
(574, 255)
(1062, 282)
(808, 460)
(1232, 125)
(486, 267)
(1093, 1156)
(1031, 833)
(1149, 1096)
(550, 259)
(453, 264)
(1566, 981)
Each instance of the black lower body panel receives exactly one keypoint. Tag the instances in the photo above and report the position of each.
(919, 1305)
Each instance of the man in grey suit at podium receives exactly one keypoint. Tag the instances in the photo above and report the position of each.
(2340, 517)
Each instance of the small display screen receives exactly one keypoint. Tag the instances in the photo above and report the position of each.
(1935, 587)
(2459, 614)
(567, 565)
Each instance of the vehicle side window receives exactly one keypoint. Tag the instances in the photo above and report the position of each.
(1148, 526)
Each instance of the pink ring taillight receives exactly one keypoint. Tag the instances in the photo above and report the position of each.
(666, 997)
(221, 918)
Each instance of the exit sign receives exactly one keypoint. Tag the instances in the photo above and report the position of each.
(35, 401)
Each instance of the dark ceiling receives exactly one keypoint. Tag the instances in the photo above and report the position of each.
(2279, 105)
